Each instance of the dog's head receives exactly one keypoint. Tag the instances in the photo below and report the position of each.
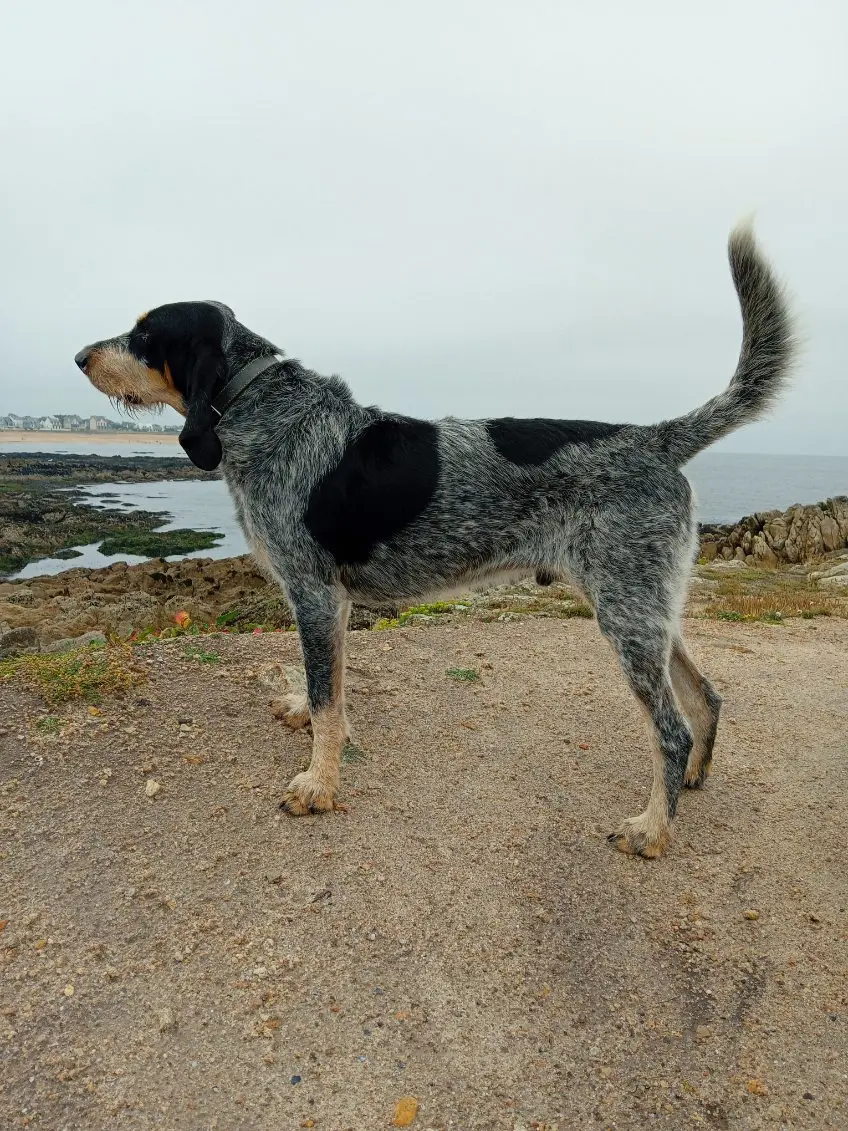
(173, 355)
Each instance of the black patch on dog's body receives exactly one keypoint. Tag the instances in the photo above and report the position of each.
(386, 478)
(532, 441)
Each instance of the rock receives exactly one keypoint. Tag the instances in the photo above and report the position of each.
(837, 582)
(762, 551)
(151, 787)
(18, 640)
(801, 533)
(75, 642)
(831, 539)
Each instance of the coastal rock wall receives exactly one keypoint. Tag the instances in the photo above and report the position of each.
(800, 534)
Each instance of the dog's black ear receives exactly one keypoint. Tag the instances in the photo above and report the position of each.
(199, 440)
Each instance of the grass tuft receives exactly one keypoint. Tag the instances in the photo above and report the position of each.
(772, 608)
(92, 673)
(463, 675)
(195, 652)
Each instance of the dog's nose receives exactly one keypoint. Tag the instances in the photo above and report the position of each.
(82, 358)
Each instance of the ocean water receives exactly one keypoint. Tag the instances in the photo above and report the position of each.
(727, 487)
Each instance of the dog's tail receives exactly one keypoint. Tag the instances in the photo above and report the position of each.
(768, 347)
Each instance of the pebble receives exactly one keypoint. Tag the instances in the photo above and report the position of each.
(151, 787)
(166, 1019)
(751, 914)
(405, 1111)
(703, 1032)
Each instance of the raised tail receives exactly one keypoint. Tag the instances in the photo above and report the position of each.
(765, 359)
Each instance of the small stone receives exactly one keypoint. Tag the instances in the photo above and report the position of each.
(758, 1087)
(151, 787)
(751, 914)
(68, 991)
(703, 1032)
(166, 1020)
(406, 1110)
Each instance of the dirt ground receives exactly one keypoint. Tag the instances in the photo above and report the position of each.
(464, 934)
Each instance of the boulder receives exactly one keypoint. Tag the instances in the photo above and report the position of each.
(17, 641)
(72, 642)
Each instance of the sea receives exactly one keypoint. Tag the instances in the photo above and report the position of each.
(727, 487)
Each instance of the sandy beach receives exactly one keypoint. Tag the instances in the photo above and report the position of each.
(17, 437)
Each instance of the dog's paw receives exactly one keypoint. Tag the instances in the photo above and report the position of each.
(697, 773)
(293, 709)
(307, 794)
(639, 836)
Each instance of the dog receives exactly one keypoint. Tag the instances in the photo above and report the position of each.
(341, 502)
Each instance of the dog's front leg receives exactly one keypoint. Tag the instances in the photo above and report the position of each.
(321, 616)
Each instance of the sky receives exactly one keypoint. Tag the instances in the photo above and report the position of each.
(469, 208)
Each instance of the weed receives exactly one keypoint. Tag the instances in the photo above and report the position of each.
(352, 753)
(463, 675)
(48, 724)
(89, 673)
(772, 607)
(384, 623)
(195, 652)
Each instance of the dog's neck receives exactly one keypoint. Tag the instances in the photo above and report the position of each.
(243, 346)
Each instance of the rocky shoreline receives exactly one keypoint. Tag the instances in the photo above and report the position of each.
(44, 514)
(797, 535)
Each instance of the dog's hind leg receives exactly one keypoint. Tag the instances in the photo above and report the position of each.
(701, 704)
(322, 622)
(643, 646)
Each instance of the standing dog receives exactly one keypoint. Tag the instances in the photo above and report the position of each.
(342, 502)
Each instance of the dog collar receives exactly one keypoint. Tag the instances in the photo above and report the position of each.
(245, 376)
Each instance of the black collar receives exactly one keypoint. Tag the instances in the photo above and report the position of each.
(245, 376)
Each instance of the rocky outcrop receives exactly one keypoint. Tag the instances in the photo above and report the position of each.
(122, 599)
(800, 534)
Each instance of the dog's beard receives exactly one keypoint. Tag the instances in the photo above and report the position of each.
(132, 405)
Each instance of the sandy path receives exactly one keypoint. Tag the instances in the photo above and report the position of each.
(464, 934)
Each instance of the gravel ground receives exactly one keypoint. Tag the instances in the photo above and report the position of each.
(189, 958)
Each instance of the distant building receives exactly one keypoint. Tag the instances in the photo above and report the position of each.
(70, 422)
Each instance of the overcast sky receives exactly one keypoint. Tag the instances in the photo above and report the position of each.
(471, 208)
